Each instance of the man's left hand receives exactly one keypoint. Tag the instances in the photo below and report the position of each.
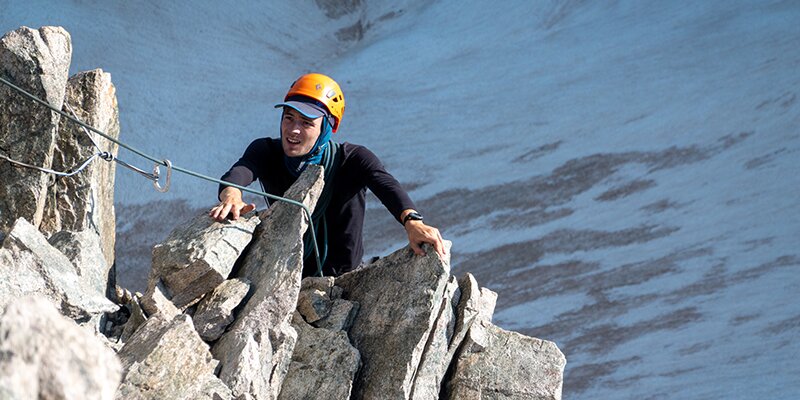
(419, 233)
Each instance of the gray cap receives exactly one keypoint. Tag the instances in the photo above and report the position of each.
(309, 110)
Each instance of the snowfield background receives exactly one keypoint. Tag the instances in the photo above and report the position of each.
(626, 174)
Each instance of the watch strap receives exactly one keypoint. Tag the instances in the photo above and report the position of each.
(412, 216)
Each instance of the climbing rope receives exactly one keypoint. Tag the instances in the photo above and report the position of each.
(156, 173)
(107, 156)
(69, 172)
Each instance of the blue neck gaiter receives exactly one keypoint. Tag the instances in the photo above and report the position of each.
(296, 165)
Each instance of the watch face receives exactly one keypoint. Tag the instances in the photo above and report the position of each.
(412, 217)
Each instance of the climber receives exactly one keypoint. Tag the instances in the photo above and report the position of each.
(312, 112)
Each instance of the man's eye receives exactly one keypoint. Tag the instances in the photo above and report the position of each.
(307, 123)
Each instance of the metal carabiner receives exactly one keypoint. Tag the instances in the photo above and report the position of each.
(157, 174)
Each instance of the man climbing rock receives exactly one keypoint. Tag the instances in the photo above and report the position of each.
(312, 112)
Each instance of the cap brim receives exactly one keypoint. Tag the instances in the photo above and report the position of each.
(308, 110)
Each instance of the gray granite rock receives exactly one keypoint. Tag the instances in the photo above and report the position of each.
(199, 255)
(84, 250)
(341, 316)
(336, 292)
(154, 301)
(483, 311)
(467, 304)
(323, 364)
(256, 350)
(215, 312)
(47, 356)
(135, 321)
(436, 356)
(322, 283)
(30, 265)
(314, 304)
(400, 297)
(166, 359)
(37, 61)
(85, 201)
(506, 365)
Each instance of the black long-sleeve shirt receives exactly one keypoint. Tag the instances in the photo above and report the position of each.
(360, 169)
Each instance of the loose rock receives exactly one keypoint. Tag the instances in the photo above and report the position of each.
(198, 256)
(314, 304)
(84, 250)
(134, 322)
(156, 302)
(166, 359)
(215, 312)
(323, 362)
(47, 356)
(31, 265)
(341, 316)
(507, 366)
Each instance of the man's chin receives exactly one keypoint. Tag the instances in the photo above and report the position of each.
(293, 152)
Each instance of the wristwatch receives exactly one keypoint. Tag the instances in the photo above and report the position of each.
(412, 216)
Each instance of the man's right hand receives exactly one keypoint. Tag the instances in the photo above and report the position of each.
(230, 203)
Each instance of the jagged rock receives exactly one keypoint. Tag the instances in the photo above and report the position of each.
(323, 362)
(256, 350)
(31, 265)
(493, 363)
(482, 308)
(198, 256)
(166, 359)
(321, 305)
(341, 316)
(314, 304)
(507, 365)
(321, 283)
(84, 250)
(155, 301)
(85, 201)
(47, 356)
(215, 312)
(435, 356)
(336, 292)
(400, 297)
(466, 304)
(37, 61)
(122, 295)
(134, 322)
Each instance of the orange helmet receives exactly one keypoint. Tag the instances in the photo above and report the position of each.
(324, 90)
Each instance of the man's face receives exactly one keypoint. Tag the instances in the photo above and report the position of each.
(298, 133)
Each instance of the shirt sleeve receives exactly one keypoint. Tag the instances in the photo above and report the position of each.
(383, 184)
(247, 169)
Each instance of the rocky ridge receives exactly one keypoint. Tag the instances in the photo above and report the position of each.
(226, 314)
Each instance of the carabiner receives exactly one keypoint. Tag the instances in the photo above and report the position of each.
(157, 174)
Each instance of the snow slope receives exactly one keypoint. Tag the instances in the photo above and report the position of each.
(624, 173)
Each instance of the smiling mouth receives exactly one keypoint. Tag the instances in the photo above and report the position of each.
(293, 141)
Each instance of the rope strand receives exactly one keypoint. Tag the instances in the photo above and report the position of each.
(50, 171)
(165, 163)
